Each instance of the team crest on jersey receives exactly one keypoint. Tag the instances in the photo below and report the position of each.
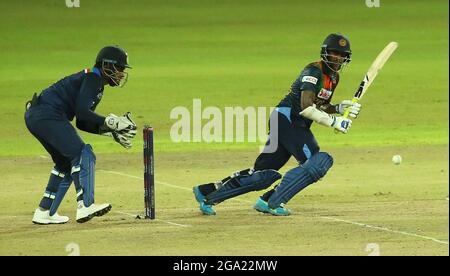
(325, 94)
(310, 79)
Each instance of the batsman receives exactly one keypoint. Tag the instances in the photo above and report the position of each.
(48, 116)
(308, 101)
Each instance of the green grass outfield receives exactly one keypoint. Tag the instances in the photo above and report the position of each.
(234, 53)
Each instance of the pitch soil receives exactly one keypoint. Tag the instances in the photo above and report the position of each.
(363, 187)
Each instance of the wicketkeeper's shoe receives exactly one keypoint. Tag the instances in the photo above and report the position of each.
(262, 206)
(85, 214)
(206, 209)
(43, 217)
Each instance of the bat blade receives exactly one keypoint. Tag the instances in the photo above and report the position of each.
(376, 66)
(371, 74)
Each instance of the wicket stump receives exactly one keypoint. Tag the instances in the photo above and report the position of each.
(149, 174)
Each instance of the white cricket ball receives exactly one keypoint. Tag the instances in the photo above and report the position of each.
(396, 159)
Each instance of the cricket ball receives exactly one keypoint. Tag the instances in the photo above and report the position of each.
(396, 159)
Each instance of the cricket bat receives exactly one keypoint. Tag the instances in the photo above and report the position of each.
(372, 73)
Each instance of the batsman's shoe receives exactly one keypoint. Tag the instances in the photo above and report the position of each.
(280, 211)
(85, 214)
(206, 209)
(262, 206)
(43, 217)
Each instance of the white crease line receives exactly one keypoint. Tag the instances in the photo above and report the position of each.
(386, 229)
(165, 221)
(327, 218)
(141, 178)
(164, 183)
(10, 217)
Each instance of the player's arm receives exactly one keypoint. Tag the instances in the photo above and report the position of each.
(310, 111)
(90, 127)
(87, 119)
(341, 108)
(123, 138)
(92, 121)
(307, 99)
(329, 108)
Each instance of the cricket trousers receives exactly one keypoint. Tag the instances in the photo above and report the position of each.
(286, 138)
(56, 134)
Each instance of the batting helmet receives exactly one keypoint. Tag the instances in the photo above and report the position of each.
(336, 43)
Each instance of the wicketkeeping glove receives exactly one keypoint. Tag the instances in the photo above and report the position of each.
(119, 138)
(129, 132)
(119, 124)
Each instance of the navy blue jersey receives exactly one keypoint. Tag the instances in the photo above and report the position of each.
(314, 78)
(77, 96)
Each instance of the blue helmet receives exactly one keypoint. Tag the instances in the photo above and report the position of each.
(336, 43)
(112, 61)
(114, 55)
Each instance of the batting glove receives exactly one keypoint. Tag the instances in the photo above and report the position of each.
(355, 108)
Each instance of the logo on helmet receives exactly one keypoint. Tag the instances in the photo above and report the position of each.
(342, 42)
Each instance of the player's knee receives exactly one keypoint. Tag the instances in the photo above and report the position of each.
(318, 165)
(259, 180)
(86, 154)
(74, 152)
(63, 168)
(262, 179)
(243, 182)
(88, 151)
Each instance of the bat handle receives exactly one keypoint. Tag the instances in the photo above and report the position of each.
(354, 100)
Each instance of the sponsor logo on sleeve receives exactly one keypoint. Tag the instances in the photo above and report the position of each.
(310, 79)
(325, 94)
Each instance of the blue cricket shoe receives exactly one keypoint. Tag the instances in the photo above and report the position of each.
(206, 209)
(263, 207)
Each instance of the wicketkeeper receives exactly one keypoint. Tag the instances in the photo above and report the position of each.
(48, 118)
(309, 101)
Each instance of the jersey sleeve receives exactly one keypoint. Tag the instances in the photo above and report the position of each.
(311, 79)
(90, 87)
(88, 127)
